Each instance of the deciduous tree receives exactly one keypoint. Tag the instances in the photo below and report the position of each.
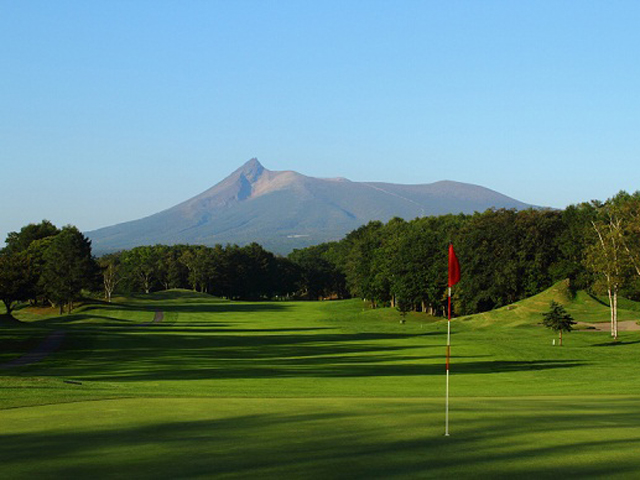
(69, 267)
(17, 281)
(110, 266)
(20, 241)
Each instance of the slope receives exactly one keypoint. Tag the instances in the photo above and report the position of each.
(582, 306)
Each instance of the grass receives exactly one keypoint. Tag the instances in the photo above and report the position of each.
(316, 389)
(581, 305)
(324, 438)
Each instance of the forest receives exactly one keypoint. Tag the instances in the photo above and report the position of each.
(505, 256)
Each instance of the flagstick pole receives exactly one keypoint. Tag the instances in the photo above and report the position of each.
(446, 411)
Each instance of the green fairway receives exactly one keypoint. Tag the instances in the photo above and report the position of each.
(315, 389)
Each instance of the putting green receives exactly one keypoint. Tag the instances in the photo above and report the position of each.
(532, 437)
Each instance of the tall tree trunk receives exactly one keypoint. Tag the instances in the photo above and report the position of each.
(612, 291)
(611, 310)
(560, 337)
(615, 312)
(7, 305)
(109, 281)
(108, 290)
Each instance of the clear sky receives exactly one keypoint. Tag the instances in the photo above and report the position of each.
(113, 110)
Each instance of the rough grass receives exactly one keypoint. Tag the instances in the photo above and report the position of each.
(317, 390)
(582, 306)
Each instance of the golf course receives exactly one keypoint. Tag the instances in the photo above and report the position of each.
(179, 384)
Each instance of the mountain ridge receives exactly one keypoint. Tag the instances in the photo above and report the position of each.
(283, 210)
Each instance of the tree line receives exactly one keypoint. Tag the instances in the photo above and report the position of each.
(45, 265)
(247, 273)
(506, 256)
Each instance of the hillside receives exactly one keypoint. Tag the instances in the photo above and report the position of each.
(283, 210)
(583, 307)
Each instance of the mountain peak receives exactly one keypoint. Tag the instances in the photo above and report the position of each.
(251, 170)
(283, 210)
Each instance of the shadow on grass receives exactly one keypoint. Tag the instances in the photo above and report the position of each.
(598, 300)
(150, 355)
(338, 442)
(616, 343)
(177, 294)
(8, 320)
(226, 307)
(18, 339)
(154, 303)
(211, 350)
(363, 366)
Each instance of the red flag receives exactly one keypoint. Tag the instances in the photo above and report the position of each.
(454, 267)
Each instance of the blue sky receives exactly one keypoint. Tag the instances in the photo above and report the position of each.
(114, 110)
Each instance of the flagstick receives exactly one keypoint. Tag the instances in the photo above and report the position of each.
(446, 411)
(454, 277)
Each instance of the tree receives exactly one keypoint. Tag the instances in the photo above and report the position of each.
(537, 240)
(574, 237)
(626, 209)
(259, 272)
(68, 267)
(27, 247)
(359, 269)
(557, 319)
(36, 253)
(17, 281)
(390, 268)
(489, 244)
(170, 272)
(606, 257)
(286, 278)
(110, 265)
(198, 262)
(141, 263)
(20, 241)
(404, 303)
(316, 275)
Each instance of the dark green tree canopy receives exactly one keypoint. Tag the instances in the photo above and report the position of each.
(20, 241)
(17, 279)
(557, 318)
(69, 267)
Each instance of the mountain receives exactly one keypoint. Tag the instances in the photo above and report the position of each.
(287, 210)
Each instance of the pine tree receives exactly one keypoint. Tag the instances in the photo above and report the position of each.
(557, 319)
